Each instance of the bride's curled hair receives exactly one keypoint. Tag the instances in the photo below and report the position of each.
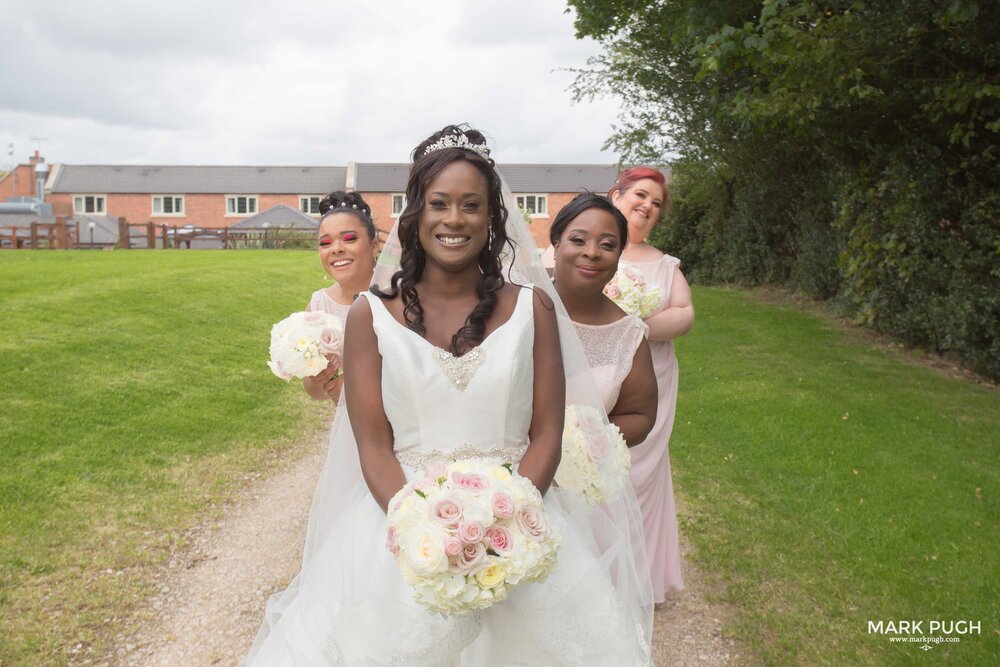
(429, 160)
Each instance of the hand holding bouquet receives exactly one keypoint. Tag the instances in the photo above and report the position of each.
(630, 291)
(305, 343)
(465, 532)
(595, 459)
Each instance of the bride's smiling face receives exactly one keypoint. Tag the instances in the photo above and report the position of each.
(455, 220)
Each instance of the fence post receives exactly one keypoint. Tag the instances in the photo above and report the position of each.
(77, 246)
(124, 242)
(62, 243)
(13, 237)
(225, 238)
(163, 235)
(34, 235)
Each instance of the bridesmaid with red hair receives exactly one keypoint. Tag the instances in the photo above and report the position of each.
(640, 194)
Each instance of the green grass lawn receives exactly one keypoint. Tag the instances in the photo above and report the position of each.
(135, 396)
(828, 480)
(831, 481)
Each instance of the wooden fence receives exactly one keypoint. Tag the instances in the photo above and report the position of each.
(148, 235)
(40, 235)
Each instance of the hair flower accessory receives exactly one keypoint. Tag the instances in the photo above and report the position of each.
(458, 141)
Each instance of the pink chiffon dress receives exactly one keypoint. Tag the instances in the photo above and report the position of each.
(650, 473)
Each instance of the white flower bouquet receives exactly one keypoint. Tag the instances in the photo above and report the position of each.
(304, 343)
(630, 291)
(465, 532)
(595, 460)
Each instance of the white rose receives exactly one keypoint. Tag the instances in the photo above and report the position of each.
(423, 549)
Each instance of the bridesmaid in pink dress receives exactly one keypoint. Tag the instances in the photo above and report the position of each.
(348, 246)
(587, 237)
(640, 194)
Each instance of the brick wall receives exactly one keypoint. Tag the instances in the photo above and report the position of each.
(381, 205)
(199, 210)
(210, 210)
(20, 182)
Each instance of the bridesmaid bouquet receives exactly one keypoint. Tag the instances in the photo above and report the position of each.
(630, 291)
(595, 459)
(467, 531)
(304, 343)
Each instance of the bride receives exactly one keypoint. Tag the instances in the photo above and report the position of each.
(454, 357)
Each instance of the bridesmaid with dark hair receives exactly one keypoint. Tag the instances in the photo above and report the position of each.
(348, 244)
(640, 194)
(588, 236)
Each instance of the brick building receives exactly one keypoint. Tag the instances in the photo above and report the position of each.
(214, 197)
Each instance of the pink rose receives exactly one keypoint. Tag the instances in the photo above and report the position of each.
(331, 341)
(314, 318)
(470, 558)
(391, 542)
(594, 434)
(447, 510)
(424, 484)
(503, 505)
(278, 369)
(611, 289)
(453, 546)
(436, 471)
(499, 538)
(472, 481)
(470, 531)
(532, 523)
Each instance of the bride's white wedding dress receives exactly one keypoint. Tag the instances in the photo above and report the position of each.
(350, 604)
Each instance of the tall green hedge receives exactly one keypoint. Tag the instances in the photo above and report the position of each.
(845, 149)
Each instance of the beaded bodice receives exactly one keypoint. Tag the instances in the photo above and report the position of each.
(610, 349)
(440, 405)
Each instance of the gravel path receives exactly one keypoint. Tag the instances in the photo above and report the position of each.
(212, 595)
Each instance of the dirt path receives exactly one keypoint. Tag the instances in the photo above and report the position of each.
(212, 596)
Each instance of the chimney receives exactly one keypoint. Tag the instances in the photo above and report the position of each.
(36, 159)
(41, 173)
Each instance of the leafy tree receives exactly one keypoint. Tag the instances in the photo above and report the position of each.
(847, 149)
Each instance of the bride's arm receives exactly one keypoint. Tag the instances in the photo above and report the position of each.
(363, 364)
(635, 412)
(549, 399)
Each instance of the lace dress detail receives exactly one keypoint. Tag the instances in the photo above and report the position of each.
(321, 301)
(610, 349)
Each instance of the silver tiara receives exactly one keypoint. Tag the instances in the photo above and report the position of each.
(458, 141)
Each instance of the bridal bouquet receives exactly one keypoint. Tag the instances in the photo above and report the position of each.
(467, 531)
(630, 291)
(595, 459)
(301, 343)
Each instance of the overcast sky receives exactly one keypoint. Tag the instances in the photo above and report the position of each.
(312, 82)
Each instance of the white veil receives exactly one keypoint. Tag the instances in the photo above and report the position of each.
(616, 526)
